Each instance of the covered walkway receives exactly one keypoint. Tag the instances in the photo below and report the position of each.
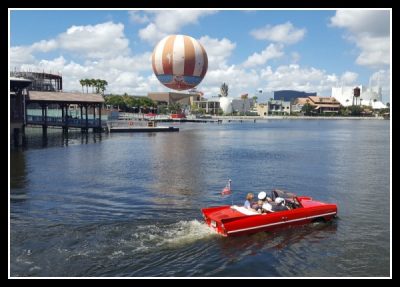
(82, 101)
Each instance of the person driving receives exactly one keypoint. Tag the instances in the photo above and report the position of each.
(280, 204)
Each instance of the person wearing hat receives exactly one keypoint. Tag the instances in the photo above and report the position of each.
(266, 206)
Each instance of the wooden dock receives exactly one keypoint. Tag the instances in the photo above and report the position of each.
(142, 129)
(138, 127)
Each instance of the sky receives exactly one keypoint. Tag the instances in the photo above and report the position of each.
(255, 52)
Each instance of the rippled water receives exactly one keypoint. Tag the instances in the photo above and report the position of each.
(129, 204)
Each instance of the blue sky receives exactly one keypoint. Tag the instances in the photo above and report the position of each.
(307, 50)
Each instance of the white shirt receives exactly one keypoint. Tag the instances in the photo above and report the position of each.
(267, 206)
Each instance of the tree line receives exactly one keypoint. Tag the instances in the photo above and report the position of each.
(98, 84)
(128, 103)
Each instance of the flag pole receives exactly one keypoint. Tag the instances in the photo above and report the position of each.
(229, 184)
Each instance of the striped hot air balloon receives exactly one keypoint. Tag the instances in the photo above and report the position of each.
(179, 62)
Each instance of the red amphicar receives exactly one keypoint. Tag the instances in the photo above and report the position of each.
(233, 220)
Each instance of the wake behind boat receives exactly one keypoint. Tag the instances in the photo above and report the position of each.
(233, 220)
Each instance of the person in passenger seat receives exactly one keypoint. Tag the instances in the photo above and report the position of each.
(249, 204)
(280, 204)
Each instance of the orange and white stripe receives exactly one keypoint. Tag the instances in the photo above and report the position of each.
(179, 55)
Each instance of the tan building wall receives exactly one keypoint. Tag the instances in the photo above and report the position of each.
(174, 98)
(262, 109)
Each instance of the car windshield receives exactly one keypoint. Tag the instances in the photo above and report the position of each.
(281, 193)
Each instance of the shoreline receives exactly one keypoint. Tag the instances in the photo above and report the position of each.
(293, 118)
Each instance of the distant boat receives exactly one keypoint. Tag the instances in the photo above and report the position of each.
(178, 116)
(150, 115)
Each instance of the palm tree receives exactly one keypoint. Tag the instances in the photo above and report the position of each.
(87, 84)
(224, 90)
(82, 82)
(92, 84)
(104, 83)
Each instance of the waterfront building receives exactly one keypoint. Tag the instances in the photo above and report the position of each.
(18, 92)
(37, 99)
(278, 107)
(321, 105)
(371, 96)
(242, 105)
(291, 95)
(208, 106)
(261, 109)
(227, 105)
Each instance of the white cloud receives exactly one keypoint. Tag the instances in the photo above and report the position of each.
(370, 31)
(20, 55)
(45, 46)
(98, 41)
(283, 33)
(104, 40)
(169, 22)
(218, 51)
(382, 78)
(152, 33)
(141, 62)
(138, 17)
(374, 22)
(239, 81)
(348, 78)
(273, 51)
(298, 78)
(123, 73)
(375, 51)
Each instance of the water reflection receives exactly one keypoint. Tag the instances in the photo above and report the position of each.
(277, 240)
(35, 138)
(17, 169)
(18, 173)
(176, 171)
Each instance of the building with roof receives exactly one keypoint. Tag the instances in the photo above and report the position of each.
(83, 102)
(321, 105)
(36, 99)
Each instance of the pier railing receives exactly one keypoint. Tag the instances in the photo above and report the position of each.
(57, 121)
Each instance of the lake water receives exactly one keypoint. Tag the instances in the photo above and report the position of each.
(129, 204)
